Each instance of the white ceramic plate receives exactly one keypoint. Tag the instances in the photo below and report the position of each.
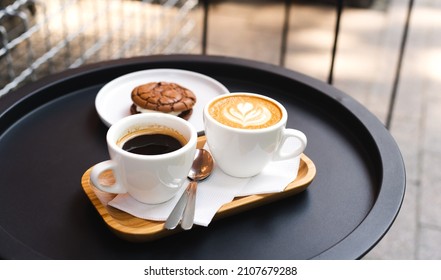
(113, 101)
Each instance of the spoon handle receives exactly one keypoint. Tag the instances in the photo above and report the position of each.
(188, 216)
(176, 214)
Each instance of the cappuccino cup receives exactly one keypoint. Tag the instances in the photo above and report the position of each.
(150, 156)
(246, 131)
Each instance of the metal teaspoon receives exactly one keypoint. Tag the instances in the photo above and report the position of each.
(200, 170)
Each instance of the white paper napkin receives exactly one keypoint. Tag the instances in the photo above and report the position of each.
(215, 191)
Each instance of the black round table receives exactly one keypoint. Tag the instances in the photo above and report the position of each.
(50, 134)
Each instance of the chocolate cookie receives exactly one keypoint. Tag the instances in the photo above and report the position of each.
(163, 97)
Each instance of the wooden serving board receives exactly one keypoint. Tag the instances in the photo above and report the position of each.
(135, 229)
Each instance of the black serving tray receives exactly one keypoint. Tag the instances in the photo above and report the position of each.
(50, 134)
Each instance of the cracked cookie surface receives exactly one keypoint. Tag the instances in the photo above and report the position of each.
(163, 97)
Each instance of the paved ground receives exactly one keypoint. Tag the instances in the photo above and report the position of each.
(365, 69)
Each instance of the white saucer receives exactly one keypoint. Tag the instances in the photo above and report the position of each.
(113, 101)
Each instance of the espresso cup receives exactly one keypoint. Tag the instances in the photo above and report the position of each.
(150, 156)
(246, 131)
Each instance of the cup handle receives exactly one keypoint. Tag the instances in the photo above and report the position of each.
(291, 133)
(100, 168)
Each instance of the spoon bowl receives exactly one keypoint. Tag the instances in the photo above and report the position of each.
(202, 165)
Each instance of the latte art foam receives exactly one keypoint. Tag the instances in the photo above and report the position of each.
(247, 114)
(243, 111)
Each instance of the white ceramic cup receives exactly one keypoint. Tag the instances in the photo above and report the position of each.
(241, 152)
(149, 179)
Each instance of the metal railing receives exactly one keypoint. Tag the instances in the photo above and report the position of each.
(42, 37)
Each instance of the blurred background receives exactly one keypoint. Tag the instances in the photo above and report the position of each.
(384, 53)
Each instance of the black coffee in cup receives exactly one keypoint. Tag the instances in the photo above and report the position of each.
(155, 140)
(152, 144)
